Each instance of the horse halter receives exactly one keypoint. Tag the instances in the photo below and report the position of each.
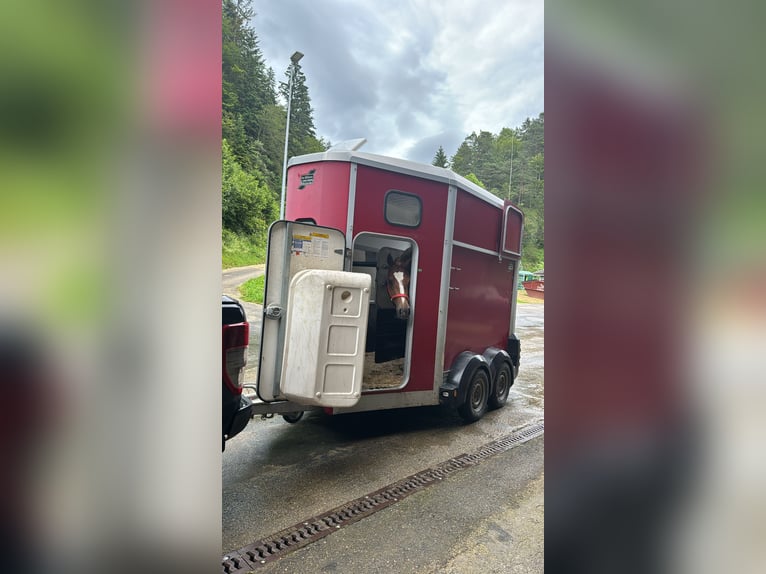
(396, 295)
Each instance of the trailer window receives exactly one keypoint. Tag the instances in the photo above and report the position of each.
(403, 209)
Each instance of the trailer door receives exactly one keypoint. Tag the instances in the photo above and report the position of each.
(314, 319)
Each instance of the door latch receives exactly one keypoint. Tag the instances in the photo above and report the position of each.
(273, 312)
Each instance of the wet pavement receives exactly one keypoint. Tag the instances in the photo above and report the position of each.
(485, 519)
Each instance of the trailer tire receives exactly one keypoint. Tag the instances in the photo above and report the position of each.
(476, 397)
(502, 386)
(293, 418)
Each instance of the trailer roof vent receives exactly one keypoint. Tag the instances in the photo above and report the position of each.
(348, 145)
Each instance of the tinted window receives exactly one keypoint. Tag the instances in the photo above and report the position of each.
(403, 209)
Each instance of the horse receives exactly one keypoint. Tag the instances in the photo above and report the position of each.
(398, 283)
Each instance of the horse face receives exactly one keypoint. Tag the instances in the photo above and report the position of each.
(400, 285)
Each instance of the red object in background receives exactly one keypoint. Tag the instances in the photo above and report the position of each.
(535, 288)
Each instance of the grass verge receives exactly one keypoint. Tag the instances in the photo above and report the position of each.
(252, 290)
(522, 297)
(241, 250)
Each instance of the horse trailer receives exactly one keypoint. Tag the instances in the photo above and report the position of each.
(389, 284)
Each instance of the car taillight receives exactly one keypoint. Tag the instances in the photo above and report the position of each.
(235, 340)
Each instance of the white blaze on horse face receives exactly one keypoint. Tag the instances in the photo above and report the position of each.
(399, 276)
(401, 304)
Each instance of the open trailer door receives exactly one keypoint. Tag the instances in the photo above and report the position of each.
(510, 247)
(314, 319)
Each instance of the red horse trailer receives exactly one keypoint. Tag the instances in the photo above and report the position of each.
(390, 284)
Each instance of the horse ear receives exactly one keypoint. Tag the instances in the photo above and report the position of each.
(406, 257)
(390, 260)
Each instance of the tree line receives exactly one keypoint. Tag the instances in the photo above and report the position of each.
(253, 116)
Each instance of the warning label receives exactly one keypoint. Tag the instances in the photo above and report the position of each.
(314, 245)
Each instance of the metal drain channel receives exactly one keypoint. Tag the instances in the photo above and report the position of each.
(302, 534)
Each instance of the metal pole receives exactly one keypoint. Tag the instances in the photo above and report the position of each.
(287, 135)
(510, 177)
(294, 61)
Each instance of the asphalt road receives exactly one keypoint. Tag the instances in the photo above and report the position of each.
(232, 278)
(488, 518)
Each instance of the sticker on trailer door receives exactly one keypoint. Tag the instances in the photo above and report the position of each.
(315, 245)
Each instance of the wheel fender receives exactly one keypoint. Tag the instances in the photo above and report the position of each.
(454, 389)
(495, 358)
(514, 351)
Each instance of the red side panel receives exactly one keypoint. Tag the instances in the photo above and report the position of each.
(319, 191)
(481, 286)
(476, 222)
(372, 185)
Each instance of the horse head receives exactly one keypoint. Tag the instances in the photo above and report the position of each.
(398, 283)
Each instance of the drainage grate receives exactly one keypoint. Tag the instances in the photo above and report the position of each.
(277, 545)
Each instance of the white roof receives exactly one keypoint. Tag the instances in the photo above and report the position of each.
(406, 167)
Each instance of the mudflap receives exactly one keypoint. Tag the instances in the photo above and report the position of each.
(452, 392)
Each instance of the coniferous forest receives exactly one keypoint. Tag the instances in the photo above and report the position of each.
(508, 164)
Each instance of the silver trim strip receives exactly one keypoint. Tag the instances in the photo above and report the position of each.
(392, 401)
(441, 326)
(421, 170)
(351, 206)
(514, 286)
(475, 248)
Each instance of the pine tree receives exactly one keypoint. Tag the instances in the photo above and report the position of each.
(253, 130)
(245, 81)
(509, 148)
(464, 160)
(440, 159)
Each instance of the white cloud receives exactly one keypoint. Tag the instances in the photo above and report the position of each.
(407, 76)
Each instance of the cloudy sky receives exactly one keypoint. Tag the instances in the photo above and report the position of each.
(410, 75)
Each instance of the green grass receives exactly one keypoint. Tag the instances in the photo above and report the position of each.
(241, 250)
(522, 297)
(252, 290)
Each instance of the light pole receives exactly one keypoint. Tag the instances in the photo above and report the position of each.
(510, 177)
(294, 59)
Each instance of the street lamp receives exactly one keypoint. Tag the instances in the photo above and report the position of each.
(294, 59)
(510, 177)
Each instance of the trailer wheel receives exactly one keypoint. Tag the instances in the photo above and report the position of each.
(477, 394)
(293, 418)
(502, 386)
